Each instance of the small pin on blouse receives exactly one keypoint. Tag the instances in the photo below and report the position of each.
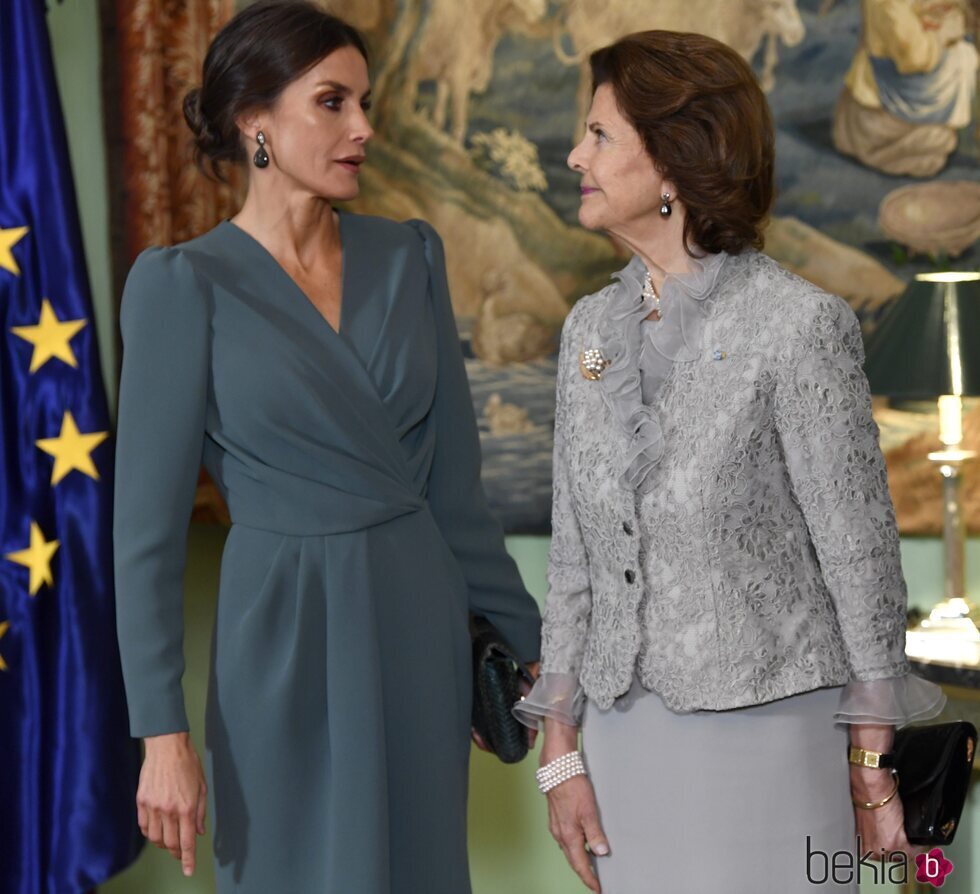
(719, 354)
(592, 364)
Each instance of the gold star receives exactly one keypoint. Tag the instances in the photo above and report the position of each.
(71, 449)
(50, 337)
(8, 239)
(37, 557)
(3, 629)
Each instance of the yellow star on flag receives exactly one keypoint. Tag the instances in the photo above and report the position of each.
(8, 239)
(50, 337)
(3, 629)
(72, 450)
(37, 557)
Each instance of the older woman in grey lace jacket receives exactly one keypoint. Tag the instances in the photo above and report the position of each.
(726, 597)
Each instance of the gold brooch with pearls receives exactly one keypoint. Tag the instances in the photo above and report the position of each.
(592, 364)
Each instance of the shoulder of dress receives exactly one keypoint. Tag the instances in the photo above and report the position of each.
(163, 263)
(188, 259)
(392, 234)
(386, 231)
(212, 242)
(783, 298)
(415, 236)
(163, 289)
(172, 280)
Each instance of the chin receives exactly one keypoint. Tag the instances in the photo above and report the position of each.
(346, 194)
(588, 218)
(335, 190)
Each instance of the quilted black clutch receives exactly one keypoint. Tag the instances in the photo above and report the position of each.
(933, 765)
(497, 674)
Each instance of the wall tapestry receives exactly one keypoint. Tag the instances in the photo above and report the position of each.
(478, 103)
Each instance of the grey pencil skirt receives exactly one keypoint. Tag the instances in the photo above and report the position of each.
(748, 801)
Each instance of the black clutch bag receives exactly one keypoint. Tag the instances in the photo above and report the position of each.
(497, 674)
(933, 765)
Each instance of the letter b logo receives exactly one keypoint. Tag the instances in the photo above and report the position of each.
(933, 867)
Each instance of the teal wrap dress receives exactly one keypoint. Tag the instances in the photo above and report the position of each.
(338, 713)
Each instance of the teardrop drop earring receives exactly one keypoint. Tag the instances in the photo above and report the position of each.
(665, 208)
(261, 157)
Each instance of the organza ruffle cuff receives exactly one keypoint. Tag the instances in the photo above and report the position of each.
(896, 701)
(558, 696)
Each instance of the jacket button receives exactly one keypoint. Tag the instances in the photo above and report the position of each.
(628, 528)
(629, 575)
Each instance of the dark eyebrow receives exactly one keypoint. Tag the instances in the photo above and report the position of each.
(342, 89)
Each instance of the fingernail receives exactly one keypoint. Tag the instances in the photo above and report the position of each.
(188, 871)
(601, 850)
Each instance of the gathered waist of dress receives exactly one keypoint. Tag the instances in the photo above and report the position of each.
(301, 507)
(292, 528)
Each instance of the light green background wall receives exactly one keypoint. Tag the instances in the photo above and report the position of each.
(510, 847)
(74, 28)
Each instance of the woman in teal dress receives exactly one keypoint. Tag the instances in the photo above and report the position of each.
(310, 359)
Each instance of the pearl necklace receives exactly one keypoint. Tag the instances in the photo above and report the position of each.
(650, 292)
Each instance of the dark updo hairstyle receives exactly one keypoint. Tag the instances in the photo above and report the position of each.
(249, 63)
(705, 123)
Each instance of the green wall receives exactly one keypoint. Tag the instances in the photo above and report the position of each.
(74, 29)
(510, 846)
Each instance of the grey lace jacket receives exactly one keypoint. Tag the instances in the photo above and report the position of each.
(730, 539)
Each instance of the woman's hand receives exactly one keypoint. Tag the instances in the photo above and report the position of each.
(573, 819)
(881, 828)
(171, 799)
(573, 815)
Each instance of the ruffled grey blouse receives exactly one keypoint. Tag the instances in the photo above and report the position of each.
(641, 355)
(642, 351)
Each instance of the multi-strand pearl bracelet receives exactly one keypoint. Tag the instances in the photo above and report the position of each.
(560, 770)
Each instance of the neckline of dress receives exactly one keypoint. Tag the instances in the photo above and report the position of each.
(283, 273)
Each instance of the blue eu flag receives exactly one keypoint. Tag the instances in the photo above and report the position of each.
(68, 768)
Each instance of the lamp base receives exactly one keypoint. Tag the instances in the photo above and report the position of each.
(951, 456)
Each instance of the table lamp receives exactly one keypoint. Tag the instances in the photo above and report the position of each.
(928, 347)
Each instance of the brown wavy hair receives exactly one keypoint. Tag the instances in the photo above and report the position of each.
(707, 126)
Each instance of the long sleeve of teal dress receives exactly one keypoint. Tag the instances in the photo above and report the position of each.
(455, 492)
(162, 405)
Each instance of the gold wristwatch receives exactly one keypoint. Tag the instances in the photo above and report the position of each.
(876, 760)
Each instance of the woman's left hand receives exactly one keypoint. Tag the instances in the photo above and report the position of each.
(478, 740)
(881, 828)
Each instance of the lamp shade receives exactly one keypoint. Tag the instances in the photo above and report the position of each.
(928, 344)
